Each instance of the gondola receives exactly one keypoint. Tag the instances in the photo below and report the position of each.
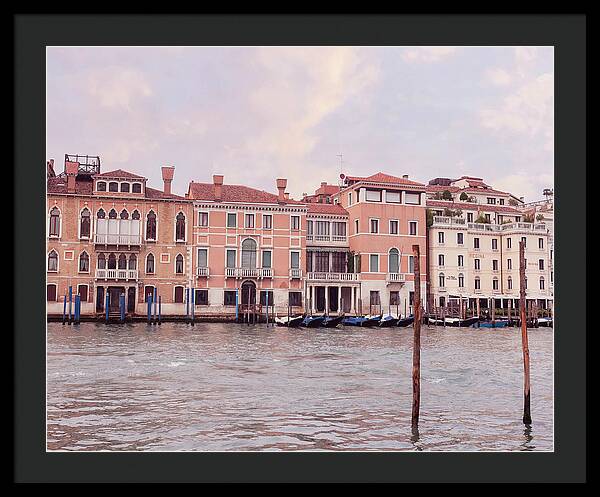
(353, 320)
(469, 321)
(290, 322)
(332, 322)
(371, 321)
(545, 322)
(387, 321)
(313, 321)
(490, 324)
(403, 322)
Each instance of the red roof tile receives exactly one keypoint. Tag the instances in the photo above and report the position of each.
(318, 208)
(385, 178)
(58, 184)
(118, 173)
(327, 190)
(234, 193)
(441, 188)
(159, 194)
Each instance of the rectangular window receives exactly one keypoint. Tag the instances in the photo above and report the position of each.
(542, 286)
(295, 299)
(412, 227)
(488, 219)
(441, 237)
(524, 240)
(267, 221)
(494, 284)
(202, 257)
(541, 243)
(477, 284)
(266, 259)
(469, 217)
(541, 264)
(203, 219)
(374, 297)
(501, 201)
(460, 238)
(230, 259)
(149, 292)
(338, 229)
(374, 226)
(394, 298)
(295, 260)
(51, 293)
(338, 262)
(411, 263)
(263, 297)
(412, 198)
(475, 242)
(349, 199)
(494, 244)
(374, 263)
(393, 227)
(356, 226)
(491, 200)
(495, 265)
(231, 219)
(321, 262)
(201, 297)
(392, 197)
(440, 260)
(83, 293)
(373, 195)
(229, 297)
(322, 228)
(509, 263)
(508, 242)
(249, 221)
(295, 223)
(477, 264)
(461, 261)
(178, 295)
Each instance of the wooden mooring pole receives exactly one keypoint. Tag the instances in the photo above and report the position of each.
(524, 340)
(416, 370)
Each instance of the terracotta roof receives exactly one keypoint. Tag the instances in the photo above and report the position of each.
(327, 190)
(317, 208)
(118, 173)
(234, 193)
(384, 178)
(58, 184)
(483, 190)
(159, 194)
(472, 206)
(441, 188)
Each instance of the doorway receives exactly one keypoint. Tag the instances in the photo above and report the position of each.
(248, 293)
(114, 292)
(131, 300)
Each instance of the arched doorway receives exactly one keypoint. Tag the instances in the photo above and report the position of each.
(248, 294)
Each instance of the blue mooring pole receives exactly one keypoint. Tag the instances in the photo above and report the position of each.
(267, 306)
(149, 297)
(237, 305)
(155, 302)
(70, 302)
(193, 304)
(65, 309)
(77, 308)
(159, 307)
(107, 304)
(187, 304)
(122, 306)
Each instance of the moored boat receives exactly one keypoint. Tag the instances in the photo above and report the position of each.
(371, 320)
(353, 320)
(469, 321)
(491, 324)
(387, 321)
(289, 321)
(546, 322)
(407, 321)
(313, 321)
(332, 322)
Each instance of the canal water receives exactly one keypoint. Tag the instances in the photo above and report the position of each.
(233, 387)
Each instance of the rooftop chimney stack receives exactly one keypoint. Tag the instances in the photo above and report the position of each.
(71, 169)
(167, 176)
(218, 182)
(281, 184)
(405, 176)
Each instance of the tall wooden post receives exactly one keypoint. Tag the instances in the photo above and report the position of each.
(416, 371)
(524, 340)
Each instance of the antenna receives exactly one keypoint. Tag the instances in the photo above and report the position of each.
(341, 156)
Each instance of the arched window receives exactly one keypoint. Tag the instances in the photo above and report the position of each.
(135, 215)
(122, 261)
(113, 186)
(124, 214)
(150, 264)
(52, 261)
(393, 261)
(132, 261)
(101, 186)
(112, 261)
(249, 253)
(442, 280)
(180, 227)
(101, 261)
(54, 222)
(179, 264)
(112, 214)
(136, 188)
(125, 187)
(509, 283)
(84, 262)
(495, 284)
(151, 226)
(441, 260)
(542, 283)
(477, 283)
(101, 214)
(85, 224)
(461, 280)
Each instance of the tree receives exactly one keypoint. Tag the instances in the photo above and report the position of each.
(446, 195)
(481, 219)
(540, 217)
(464, 197)
(528, 218)
(512, 201)
(429, 214)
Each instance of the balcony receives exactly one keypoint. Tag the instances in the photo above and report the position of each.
(116, 274)
(395, 278)
(337, 277)
(115, 239)
(202, 272)
(445, 221)
(295, 273)
(246, 272)
(324, 239)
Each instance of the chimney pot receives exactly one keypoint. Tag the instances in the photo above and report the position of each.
(218, 182)
(71, 169)
(281, 184)
(167, 176)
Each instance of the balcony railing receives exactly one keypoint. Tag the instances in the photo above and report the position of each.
(326, 238)
(117, 274)
(326, 276)
(448, 220)
(295, 273)
(203, 272)
(109, 239)
(395, 277)
(246, 272)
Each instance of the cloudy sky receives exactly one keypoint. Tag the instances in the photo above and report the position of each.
(257, 113)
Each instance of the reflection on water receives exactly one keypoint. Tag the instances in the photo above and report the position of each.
(227, 387)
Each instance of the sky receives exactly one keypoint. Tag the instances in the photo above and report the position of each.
(255, 114)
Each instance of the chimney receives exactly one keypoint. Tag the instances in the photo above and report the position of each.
(522, 199)
(281, 184)
(218, 182)
(323, 183)
(405, 176)
(286, 195)
(50, 169)
(167, 176)
(71, 169)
